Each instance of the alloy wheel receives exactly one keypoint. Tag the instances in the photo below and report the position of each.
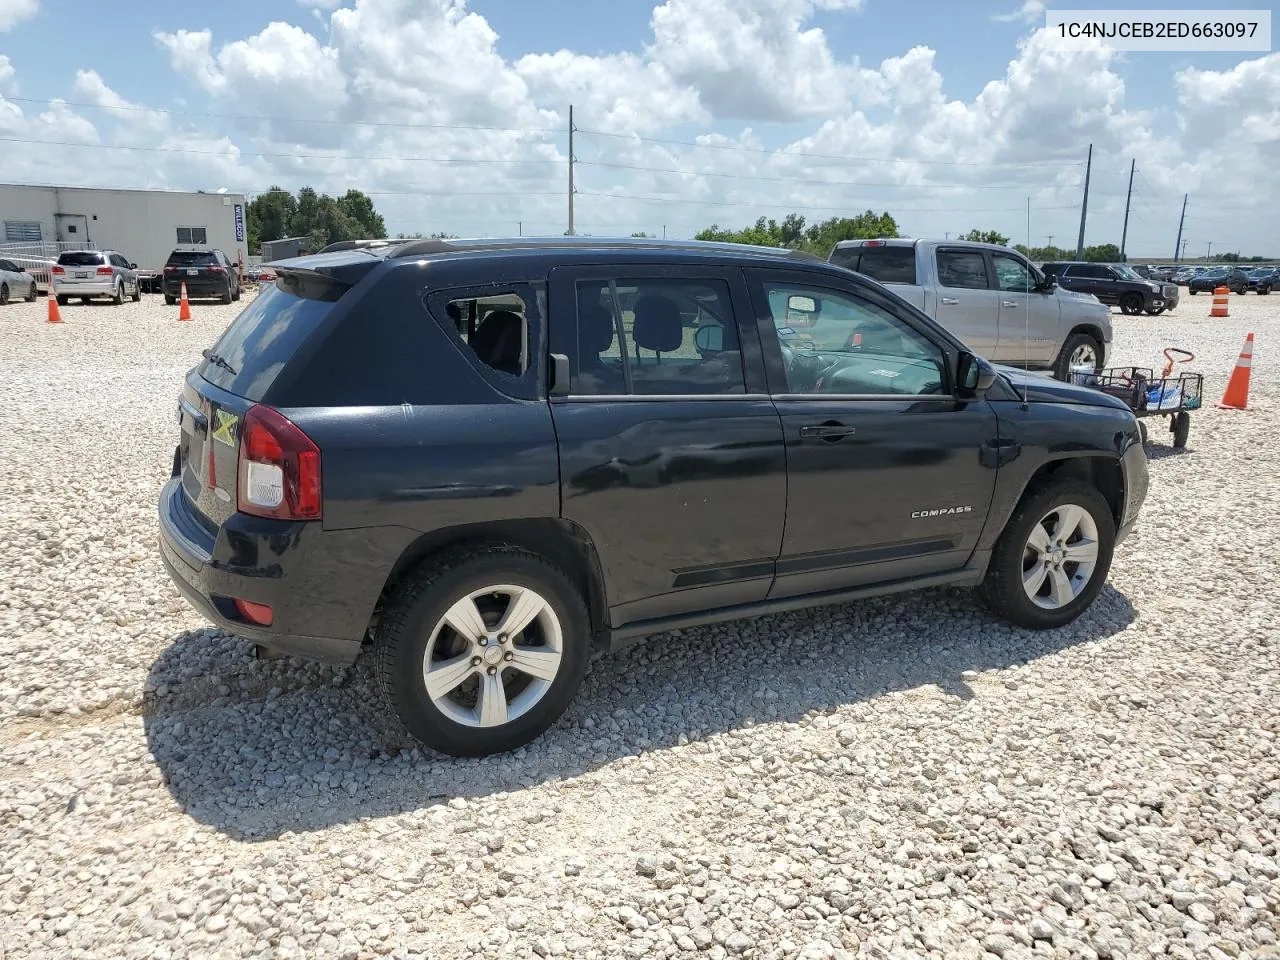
(1082, 356)
(1060, 556)
(493, 655)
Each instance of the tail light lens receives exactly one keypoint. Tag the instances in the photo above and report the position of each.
(104, 271)
(215, 269)
(170, 269)
(57, 271)
(279, 468)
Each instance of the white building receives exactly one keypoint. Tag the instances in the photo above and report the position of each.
(144, 225)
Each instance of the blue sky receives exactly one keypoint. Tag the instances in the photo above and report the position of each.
(953, 114)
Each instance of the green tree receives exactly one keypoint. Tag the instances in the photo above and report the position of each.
(1043, 254)
(793, 233)
(322, 219)
(986, 236)
(641, 235)
(1103, 253)
(821, 237)
(269, 216)
(359, 208)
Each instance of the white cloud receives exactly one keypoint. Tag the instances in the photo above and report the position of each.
(13, 12)
(1031, 11)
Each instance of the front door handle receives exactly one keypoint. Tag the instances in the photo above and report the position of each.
(1007, 303)
(826, 431)
(950, 301)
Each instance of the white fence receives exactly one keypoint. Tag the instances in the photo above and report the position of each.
(36, 257)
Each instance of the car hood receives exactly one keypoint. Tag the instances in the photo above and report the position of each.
(1039, 388)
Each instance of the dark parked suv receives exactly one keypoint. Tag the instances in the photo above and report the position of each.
(1233, 278)
(488, 459)
(1115, 284)
(207, 273)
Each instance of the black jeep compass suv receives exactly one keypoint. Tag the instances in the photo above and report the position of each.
(485, 460)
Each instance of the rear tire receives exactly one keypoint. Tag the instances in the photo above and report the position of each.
(62, 301)
(1193, 292)
(1180, 427)
(1016, 559)
(1078, 350)
(85, 300)
(118, 297)
(412, 635)
(226, 296)
(170, 301)
(137, 291)
(32, 294)
(4, 294)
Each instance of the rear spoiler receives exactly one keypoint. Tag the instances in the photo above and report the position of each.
(321, 276)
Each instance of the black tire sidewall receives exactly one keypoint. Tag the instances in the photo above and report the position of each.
(1003, 586)
(400, 657)
(1062, 369)
(4, 293)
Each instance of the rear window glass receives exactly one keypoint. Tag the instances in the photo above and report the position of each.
(183, 258)
(885, 264)
(79, 258)
(252, 351)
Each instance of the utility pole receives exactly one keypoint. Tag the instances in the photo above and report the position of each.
(1179, 245)
(1184, 248)
(1084, 204)
(1050, 236)
(1124, 234)
(1208, 250)
(946, 235)
(520, 228)
(664, 231)
(571, 170)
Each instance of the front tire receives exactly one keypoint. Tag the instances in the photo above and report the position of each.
(457, 673)
(1131, 304)
(1053, 557)
(1180, 427)
(1081, 349)
(1155, 311)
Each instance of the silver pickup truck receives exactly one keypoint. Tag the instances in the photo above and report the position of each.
(990, 297)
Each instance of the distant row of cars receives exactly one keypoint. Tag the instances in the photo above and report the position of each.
(1203, 279)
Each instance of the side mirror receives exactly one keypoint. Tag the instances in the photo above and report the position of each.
(709, 339)
(133, 266)
(1048, 284)
(974, 376)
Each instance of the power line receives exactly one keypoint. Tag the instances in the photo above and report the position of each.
(793, 205)
(250, 153)
(827, 156)
(248, 116)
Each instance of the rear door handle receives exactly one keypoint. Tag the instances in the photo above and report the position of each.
(826, 431)
(950, 301)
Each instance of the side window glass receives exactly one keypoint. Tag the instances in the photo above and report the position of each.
(837, 343)
(1012, 275)
(495, 328)
(659, 337)
(966, 269)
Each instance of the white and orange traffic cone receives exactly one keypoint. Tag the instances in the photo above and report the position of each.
(55, 315)
(1221, 297)
(184, 307)
(1237, 395)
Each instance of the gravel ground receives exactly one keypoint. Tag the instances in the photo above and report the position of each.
(894, 778)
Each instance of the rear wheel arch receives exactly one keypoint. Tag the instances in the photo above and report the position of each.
(564, 544)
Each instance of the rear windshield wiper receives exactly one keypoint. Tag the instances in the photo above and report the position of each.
(218, 361)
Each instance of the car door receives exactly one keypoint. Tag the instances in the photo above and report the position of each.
(1029, 316)
(671, 453)
(967, 305)
(889, 476)
(1099, 281)
(9, 277)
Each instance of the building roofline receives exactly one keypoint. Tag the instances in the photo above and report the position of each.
(185, 193)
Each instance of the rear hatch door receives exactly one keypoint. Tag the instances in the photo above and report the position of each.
(81, 267)
(235, 374)
(194, 266)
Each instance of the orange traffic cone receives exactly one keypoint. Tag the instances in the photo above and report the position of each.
(1221, 296)
(1237, 395)
(55, 315)
(184, 308)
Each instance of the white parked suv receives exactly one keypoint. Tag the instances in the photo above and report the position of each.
(991, 297)
(95, 273)
(15, 282)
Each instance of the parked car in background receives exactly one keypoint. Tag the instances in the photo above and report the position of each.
(1233, 278)
(1263, 280)
(462, 490)
(207, 273)
(16, 282)
(95, 273)
(1115, 285)
(990, 297)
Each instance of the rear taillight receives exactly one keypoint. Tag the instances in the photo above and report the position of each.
(213, 269)
(873, 243)
(57, 271)
(104, 271)
(279, 468)
(170, 269)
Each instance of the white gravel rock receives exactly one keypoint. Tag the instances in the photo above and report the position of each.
(904, 777)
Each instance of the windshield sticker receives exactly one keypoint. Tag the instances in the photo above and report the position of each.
(786, 331)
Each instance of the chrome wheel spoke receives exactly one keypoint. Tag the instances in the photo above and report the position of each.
(524, 609)
(491, 707)
(464, 617)
(540, 663)
(444, 676)
(1069, 517)
(1082, 551)
(1033, 579)
(1060, 587)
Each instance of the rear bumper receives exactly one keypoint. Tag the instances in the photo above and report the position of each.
(259, 560)
(105, 287)
(196, 287)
